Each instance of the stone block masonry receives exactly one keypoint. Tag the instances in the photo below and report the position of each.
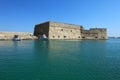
(95, 33)
(64, 31)
(57, 30)
(22, 35)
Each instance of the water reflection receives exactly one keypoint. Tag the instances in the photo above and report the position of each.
(64, 48)
(41, 52)
(6, 44)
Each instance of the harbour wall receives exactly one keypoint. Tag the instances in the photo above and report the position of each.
(22, 35)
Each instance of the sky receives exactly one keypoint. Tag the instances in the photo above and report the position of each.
(22, 15)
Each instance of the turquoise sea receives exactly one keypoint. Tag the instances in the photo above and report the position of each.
(60, 60)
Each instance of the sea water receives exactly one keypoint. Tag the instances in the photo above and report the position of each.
(60, 60)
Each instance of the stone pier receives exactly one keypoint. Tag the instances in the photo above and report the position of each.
(22, 35)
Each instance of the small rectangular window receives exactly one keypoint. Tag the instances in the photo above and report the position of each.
(64, 36)
(53, 36)
(83, 37)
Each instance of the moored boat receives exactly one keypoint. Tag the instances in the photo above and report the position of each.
(16, 38)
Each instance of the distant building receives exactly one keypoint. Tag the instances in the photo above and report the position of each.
(57, 30)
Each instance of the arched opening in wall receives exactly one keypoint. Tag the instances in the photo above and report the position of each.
(103, 37)
(96, 37)
(58, 36)
(78, 36)
(61, 29)
(65, 36)
(30, 34)
(53, 36)
(16, 36)
(70, 30)
(83, 37)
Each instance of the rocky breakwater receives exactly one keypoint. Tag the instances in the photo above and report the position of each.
(22, 35)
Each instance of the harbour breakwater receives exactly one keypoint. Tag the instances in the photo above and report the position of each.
(22, 35)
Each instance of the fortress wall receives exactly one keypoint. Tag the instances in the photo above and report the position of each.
(10, 35)
(64, 25)
(57, 30)
(64, 31)
(94, 33)
(41, 29)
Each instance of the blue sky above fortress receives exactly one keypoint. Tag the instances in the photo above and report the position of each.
(22, 15)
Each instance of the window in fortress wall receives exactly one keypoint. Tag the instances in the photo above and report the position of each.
(78, 36)
(96, 37)
(70, 30)
(53, 36)
(58, 36)
(101, 30)
(83, 37)
(61, 29)
(65, 36)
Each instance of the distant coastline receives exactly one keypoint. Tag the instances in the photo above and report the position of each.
(114, 37)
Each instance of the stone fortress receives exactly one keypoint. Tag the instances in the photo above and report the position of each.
(57, 30)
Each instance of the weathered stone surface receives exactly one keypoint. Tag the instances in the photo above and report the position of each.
(64, 31)
(22, 35)
(56, 30)
(94, 33)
